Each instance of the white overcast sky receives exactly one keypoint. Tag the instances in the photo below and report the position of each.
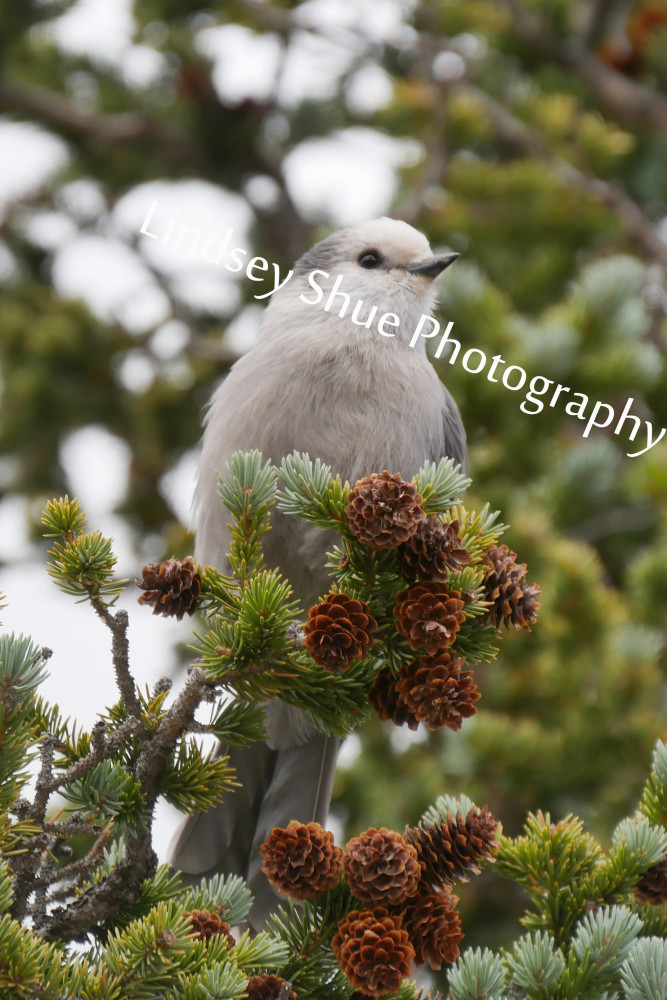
(343, 178)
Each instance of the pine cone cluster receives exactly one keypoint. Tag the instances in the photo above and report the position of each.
(414, 915)
(454, 847)
(434, 927)
(513, 601)
(384, 698)
(383, 511)
(207, 924)
(301, 860)
(652, 886)
(268, 987)
(381, 867)
(373, 950)
(172, 587)
(433, 550)
(429, 616)
(437, 691)
(339, 631)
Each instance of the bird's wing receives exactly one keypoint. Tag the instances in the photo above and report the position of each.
(453, 431)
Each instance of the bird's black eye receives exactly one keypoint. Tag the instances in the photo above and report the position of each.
(370, 258)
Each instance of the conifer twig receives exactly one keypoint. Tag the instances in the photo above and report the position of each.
(198, 687)
(103, 750)
(120, 651)
(53, 108)
(624, 99)
(100, 901)
(530, 142)
(44, 779)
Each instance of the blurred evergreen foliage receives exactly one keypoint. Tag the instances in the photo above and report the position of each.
(542, 130)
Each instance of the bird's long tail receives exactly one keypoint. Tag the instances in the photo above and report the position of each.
(277, 786)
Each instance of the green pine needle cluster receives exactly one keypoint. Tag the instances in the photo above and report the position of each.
(156, 954)
(249, 648)
(310, 491)
(21, 672)
(81, 563)
(588, 936)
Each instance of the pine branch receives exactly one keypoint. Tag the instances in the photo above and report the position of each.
(477, 975)
(198, 687)
(644, 971)
(248, 490)
(55, 109)
(139, 750)
(441, 485)
(106, 748)
(625, 100)
(119, 887)
(638, 228)
(120, 651)
(653, 803)
(98, 903)
(310, 491)
(44, 779)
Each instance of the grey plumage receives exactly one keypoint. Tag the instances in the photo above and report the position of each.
(361, 401)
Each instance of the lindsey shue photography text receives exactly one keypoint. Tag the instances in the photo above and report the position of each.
(219, 251)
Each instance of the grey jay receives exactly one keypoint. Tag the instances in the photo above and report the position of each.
(362, 401)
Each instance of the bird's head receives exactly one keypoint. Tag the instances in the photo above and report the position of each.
(385, 262)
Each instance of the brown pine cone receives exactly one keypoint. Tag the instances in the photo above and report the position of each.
(652, 886)
(268, 987)
(339, 631)
(434, 927)
(453, 848)
(381, 867)
(437, 692)
(384, 510)
(429, 616)
(373, 950)
(383, 696)
(207, 924)
(514, 602)
(172, 587)
(434, 549)
(301, 861)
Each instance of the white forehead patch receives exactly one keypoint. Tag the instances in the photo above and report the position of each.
(396, 239)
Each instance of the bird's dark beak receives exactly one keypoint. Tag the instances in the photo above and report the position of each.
(433, 266)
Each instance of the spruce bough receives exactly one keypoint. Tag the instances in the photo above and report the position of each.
(590, 931)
